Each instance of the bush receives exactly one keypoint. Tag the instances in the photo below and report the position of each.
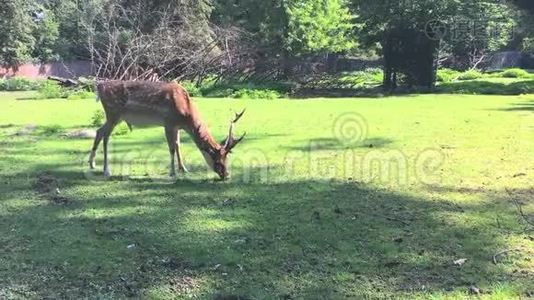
(121, 129)
(87, 84)
(51, 90)
(515, 73)
(192, 88)
(79, 94)
(488, 88)
(97, 119)
(256, 94)
(375, 75)
(447, 75)
(20, 84)
(470, 75)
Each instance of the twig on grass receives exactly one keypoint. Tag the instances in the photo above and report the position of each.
(519, 207)
(501, 253)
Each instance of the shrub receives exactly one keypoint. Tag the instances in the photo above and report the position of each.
(192, 88)
(50, 130)
(219, 92)
(97, 119)
(447, 75)
(79, 94)
(256, 94)
(20, 84)
(121, 129)
(515, 73)
(470, 75)
(87, 84)
(375, 74)
(51, 90)
(488, 88)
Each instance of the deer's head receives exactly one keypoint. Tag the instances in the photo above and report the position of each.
(218, 159)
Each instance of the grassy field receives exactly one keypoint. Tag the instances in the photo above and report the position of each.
(414, 197)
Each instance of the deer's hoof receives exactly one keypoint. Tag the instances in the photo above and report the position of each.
(107, 173)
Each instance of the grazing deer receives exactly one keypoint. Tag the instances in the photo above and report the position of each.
(167, 105)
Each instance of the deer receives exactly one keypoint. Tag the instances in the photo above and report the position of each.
(167, 104)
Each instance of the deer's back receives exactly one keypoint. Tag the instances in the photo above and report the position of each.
(144, 103)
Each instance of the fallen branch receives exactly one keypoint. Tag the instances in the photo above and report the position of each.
(501, 253)
(65, 82)
(520, 210)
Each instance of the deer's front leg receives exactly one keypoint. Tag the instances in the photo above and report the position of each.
(171, 133)
(179, 156)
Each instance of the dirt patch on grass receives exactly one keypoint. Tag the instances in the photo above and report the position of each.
(48, 186)
(26, 130)
(81, 134)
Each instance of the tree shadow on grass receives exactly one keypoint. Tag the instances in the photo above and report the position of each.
(253, 239)
(331, 143)
(525, 106)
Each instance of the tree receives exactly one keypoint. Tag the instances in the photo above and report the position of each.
(402, 26)
(319, 26)
(46, 33)
(16, 27)
(143, 39)
(287, 29)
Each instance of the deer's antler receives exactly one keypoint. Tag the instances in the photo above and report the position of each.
(231, 141)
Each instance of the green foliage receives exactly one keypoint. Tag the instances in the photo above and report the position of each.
(20, 84)
(79, 94)
(251, 90)
(319, 26)
(98, 118)
(121, 129)
(51, 90)
(371, 77)
(87, 84)
(470, 75)
(46, 33)
(50, 130)
(486, 87)
(447, 75)
(256, 94)
(192, 88)
(16, 27)
(515, 73)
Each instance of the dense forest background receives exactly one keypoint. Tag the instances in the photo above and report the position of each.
(273, 39)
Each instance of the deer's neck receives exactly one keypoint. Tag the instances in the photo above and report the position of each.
(202, 137)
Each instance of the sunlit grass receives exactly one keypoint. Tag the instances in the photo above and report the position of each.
(313, 210)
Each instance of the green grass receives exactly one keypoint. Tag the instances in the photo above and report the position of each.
(307, 213)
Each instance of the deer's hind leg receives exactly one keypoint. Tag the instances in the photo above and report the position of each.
(103, 133)
(179, 156)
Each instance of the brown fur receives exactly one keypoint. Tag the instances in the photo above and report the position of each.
(163, 104)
